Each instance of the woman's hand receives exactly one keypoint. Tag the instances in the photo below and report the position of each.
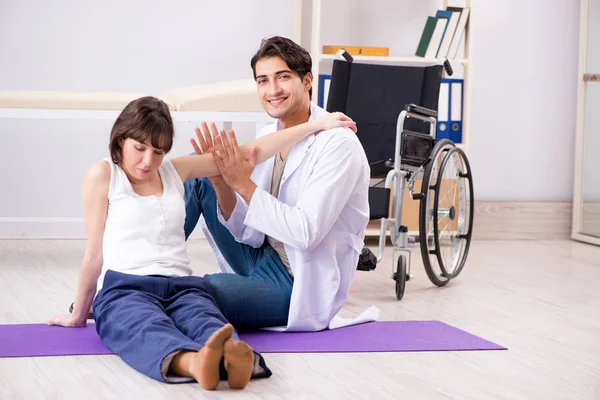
(336, 120)
(206, 141)
(66, 320)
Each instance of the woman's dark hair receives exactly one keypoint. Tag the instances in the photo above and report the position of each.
(143, 118)
(294, 55)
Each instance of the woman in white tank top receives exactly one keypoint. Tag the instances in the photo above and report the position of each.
(135, 272)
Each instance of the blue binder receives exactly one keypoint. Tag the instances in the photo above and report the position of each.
(443, 14)
(324, 81)
(450, 115)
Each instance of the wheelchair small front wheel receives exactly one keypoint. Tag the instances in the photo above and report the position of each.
(400, 277)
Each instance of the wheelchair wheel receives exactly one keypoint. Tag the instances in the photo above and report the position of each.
(454, 207)
(400, 277)
(450, 217)
(426, 227)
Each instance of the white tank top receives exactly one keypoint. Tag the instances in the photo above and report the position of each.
(144, 235)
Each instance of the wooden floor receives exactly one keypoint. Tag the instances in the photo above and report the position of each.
(539, 299)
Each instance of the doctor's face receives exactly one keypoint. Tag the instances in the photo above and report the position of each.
(282, 92)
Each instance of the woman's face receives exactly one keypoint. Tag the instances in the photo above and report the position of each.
(141, 160)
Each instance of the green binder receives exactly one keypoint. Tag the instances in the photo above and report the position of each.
(426, 36)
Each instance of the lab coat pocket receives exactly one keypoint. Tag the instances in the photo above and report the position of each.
(321, 277)
(345, 238)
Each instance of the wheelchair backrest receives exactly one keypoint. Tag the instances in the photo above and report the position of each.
(373, 95)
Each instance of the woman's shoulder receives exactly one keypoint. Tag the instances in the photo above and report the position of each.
(99, 170)
(171, 173)
(99, 173)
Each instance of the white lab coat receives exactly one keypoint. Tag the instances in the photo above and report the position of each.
(320, 215)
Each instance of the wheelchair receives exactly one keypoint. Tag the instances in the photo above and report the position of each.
(395, 111)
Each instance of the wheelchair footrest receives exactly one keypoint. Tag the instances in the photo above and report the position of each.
(367, 260)
(379, 202)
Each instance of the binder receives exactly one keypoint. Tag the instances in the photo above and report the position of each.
(460, 31)
(450, 104)
(453, 18)
(442, 48)
(324, 82)
(442, 129)
(456, 108)
(426, 36)
(436, 37)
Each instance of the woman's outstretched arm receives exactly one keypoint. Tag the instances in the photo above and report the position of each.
(95, 208)
(265, 147)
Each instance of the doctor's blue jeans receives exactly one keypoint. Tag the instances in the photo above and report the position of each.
(258, 294)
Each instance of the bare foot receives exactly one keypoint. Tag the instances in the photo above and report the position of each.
(204, 367)
(239, 363)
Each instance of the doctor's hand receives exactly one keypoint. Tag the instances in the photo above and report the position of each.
(235, 166)
(206, 141)
(336, 120)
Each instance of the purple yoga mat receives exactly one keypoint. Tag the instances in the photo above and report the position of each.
(35, 340)
(381, 336)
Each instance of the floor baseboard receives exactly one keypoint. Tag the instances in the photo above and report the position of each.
(494, 220)
(523, 220)
(513, 220)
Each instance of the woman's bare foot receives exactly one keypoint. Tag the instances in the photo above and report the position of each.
(204, 364)
(239, 363)
(205, 367)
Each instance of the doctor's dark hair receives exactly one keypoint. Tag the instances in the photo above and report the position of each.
(143, 118)
(294, 55)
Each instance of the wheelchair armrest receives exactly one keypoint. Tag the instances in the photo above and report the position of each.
(380, 168)
(386, 163)
(415, 109)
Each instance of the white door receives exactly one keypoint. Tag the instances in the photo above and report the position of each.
(586, 200)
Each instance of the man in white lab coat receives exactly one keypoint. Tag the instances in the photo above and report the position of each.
(291, 228)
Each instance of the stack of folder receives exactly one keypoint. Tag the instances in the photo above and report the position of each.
(443, 33)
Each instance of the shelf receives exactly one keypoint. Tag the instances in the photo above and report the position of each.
(412, 60)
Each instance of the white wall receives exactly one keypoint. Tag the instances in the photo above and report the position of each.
(43, 169)
(378, 23)
(133, 45)
(524, 65)
(136, 45)
(524, 84)
(524, 99)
